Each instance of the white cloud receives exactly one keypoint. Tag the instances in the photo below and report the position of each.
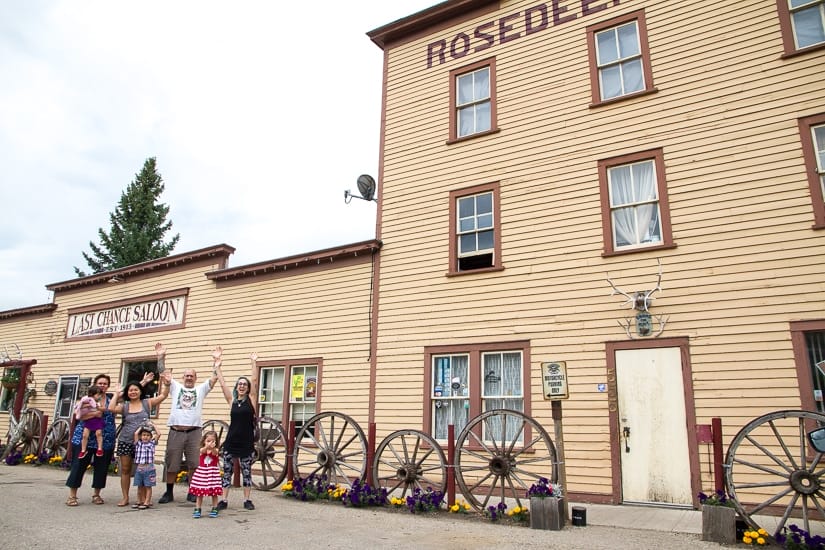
(260, 115)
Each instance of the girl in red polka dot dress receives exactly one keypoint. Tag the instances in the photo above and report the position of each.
(207, 477)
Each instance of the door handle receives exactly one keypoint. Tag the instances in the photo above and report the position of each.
(626, 434)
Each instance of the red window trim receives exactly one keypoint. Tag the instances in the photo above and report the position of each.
(495, 188)
(595, 91)
(657, 155)
(454, 74)
(809, 157)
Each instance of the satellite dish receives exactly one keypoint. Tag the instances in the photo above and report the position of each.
(366, 186)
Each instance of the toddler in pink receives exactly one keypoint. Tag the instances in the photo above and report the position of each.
(87, 405)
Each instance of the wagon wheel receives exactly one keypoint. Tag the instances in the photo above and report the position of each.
(495, 460)
(409, 460)
(331, 444)
(270, 452)
(25, 437)
(770, 464)
(57, 439)
(218, 426)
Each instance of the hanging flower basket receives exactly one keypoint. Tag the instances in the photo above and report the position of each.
(10, 384)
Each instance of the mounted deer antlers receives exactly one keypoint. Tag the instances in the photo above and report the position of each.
(641, 301)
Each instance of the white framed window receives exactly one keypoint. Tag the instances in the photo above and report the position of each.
(619, 61)
(449, 393)
(502, 388)
(818, 137)
(473, 102)
(133, 371)
(303, 387)
(808, 22)
(476, 230)
(271, 400)
(634, 205)
(67, 395)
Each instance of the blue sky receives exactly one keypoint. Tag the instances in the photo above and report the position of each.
(260, 115)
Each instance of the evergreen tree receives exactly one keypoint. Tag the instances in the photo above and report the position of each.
(138, 226)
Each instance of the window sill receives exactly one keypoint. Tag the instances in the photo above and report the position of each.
(802, 51)
(609, 253)
(472, 271)
(613, 100)
(473, 136)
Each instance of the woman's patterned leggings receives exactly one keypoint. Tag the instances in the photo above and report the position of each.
(229, 469)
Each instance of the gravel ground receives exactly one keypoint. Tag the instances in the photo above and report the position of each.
(35, 516)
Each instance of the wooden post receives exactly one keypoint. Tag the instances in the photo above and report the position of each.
(290, 447)
(370, 449)
(450, 464)
(718, 473)
(719, 524)
(558, 432)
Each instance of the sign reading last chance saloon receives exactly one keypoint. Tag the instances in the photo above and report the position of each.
(150, 312)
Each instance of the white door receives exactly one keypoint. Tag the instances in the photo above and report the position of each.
(655, 466)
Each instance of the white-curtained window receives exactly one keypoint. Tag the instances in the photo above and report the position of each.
(808, 22)
(619, 59)
(634, 204)
(818, 135)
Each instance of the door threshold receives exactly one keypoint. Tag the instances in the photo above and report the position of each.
(668, 505)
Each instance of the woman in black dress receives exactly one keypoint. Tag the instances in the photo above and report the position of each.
(239, 444)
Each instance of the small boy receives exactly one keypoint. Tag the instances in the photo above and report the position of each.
(146, 438)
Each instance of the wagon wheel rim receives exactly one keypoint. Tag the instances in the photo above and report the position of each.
(270, 452)
(218, 426)
(407, 460)
(57, 439)
(494, 469)
(30, 422)
(331, 444)
(770, 467)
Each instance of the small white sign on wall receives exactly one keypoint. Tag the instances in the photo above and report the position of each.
(554, 380)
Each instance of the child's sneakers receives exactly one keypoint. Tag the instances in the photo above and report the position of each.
(213, 513)
(99, 452)
(197, 513)
(81, 454)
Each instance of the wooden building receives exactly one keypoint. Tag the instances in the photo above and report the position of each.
(535, 156)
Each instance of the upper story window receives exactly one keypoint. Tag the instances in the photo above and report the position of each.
(635, 210)
(812, 136)
(619, 58)
(802, 23)
(474, 226)
(473, 100)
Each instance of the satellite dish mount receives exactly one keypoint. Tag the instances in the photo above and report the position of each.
(366, 186)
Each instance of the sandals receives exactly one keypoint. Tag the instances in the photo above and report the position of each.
(71, 501)
(96, 499)
(142, 507)
(123, 503)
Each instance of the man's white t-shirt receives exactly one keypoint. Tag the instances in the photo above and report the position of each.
(187, 404)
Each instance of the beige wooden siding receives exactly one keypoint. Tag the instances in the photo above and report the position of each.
(321, 313)
(746, 263)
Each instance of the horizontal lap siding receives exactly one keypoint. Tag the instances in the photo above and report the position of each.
(746, 262)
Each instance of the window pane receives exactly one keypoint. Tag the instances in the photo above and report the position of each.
(466, 121)
(644, 184)
(819, 147)
(466, 207)
(628, 40)
(482, 84)
(632, 76)
(607, 50)
(467, 243)
(482, 118)
(485, 221)
(621, 185)
(623, 227)
(465, 89)
(467, 224)
(611, 82)
(485, 240)
(798, 3)
(484, 202)
(808, 26)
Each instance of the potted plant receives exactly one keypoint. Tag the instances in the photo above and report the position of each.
(548, 509)
(10, 378)
(718, 518)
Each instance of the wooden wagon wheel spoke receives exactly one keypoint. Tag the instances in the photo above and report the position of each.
(491, 464)
(270, 450)
(30, 422)
(57, 439)
(407, 460)
(330, 434)
(769, 466)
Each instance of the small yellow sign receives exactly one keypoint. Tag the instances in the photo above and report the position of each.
(297, 387)
(554, 380)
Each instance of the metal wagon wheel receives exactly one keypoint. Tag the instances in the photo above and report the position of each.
(770, 464)
(57, 439)
(218, 426)
(331, 444)
(270, 452)
(407, 460)
(24, 434)
(495, 460)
